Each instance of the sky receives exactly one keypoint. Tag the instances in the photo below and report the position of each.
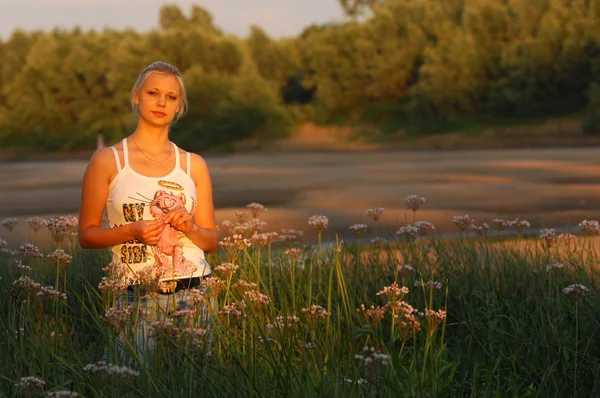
(277, 17)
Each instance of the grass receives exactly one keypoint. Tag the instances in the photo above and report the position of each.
(388, 123)
(489, 320)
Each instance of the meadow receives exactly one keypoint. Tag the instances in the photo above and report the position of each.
(489, 310)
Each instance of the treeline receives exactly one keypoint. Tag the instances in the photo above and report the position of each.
(422, 63)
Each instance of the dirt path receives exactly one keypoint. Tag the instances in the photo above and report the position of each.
(549, 187)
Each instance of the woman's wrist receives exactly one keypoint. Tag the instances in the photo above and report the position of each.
(128, 229)
(193, 229)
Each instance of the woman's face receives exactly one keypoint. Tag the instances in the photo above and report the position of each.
(159, 99)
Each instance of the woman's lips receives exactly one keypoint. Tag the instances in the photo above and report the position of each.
(157, 113)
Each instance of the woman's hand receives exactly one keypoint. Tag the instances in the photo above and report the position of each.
(148, 231)
(180, 219)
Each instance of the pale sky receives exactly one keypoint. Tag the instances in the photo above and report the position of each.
(277, 17)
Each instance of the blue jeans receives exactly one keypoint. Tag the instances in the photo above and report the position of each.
(154, 312)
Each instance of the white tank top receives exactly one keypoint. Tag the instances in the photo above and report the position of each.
(133, 197)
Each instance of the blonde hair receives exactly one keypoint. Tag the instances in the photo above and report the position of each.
(167, 69)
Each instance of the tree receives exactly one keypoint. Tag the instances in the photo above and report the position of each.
(358, 7)
(201, 18)
(171, 17)
(276, 61)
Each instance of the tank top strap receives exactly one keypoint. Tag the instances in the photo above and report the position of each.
(116, 158)
(125, 153)
(189, 164)
(177, 163)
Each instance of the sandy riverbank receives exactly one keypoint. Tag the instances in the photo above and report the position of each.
(549, 187)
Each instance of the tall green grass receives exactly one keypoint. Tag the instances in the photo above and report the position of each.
(510, 330)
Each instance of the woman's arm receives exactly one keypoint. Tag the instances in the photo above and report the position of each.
(94, 192)
(205, 226)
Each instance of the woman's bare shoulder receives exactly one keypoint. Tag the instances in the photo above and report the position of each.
(199, 168)
(103, 161)
(103, 156)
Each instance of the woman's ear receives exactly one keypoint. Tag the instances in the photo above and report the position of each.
(136, 97)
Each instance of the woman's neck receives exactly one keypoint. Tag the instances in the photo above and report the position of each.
(147, 136)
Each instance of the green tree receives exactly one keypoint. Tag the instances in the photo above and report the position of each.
(171, 17)
(276, 61)
(358, 7)
(226, 109)
(203, 19)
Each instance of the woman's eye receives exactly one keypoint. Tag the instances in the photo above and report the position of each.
(151, 93)
(173, 98)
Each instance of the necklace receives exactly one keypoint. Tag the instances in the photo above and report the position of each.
(148, 157)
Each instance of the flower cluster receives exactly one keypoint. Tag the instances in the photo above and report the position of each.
(118, 318)
(289, 235)
(60, 255)
(48, 294)
(424, 228)
(256, 209)
(359, 382)
(500, 223)
(371, 356)
(413, 202)
(393, 292)
(234, 245)
(9, 223)
(315, 312)
(548, 237)
(30, 384)
(293, 253)
(554, 267)
(102, 367)
(375, 213)
(284, 322)
(518, 224)
(243, 285)
(213, 286)
(481, 230)
(591, 227)
(318, 221)
(22, 267)
(117, 280)
(358, 229)
(60, 226)
(235, 310)
(408, 232)
(36, 223)
(227, 269)
(373, 315)
(248, 228)
(264, 238)
(435, 284)
(434, 319)
(257, 297)
(566, 238)
(576, 290)
(463, 222)
(31, 250)
(196, 297)
(405, 318)
(241, 215)
(404, 270)
(149, 278)
(24, 285)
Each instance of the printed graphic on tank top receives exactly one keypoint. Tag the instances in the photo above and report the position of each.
(134, 197)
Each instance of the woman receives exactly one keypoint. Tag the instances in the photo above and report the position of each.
(158, 198)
